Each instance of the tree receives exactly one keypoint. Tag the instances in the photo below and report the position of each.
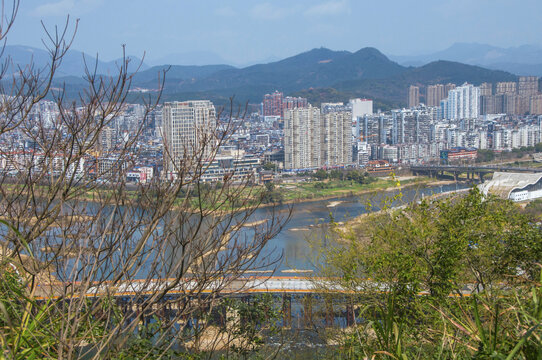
(270, 166)
(320, 174)
(271, 195)
(76, 241)
(405, 267)
(484, 156)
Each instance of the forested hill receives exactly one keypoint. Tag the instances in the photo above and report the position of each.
(319, 74)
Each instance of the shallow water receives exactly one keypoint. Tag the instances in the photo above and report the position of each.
(308, 218)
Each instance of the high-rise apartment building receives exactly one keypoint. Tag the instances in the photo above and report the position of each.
(463, 103)
(487, 104)
(333, 107)
(290, 102)
(447, 89)
(528, 86)
(302, 138)
(314, 139)
(276, 103)
(486, 89)
(508, 87)
(536, 105)
(411, 126)
(272, 104)
(107, 139)
(413, 96)
(510, 104)
(187, 127)
(523, 102)
(361, 107)
(434, 94)
(336, 139)
(374, 129)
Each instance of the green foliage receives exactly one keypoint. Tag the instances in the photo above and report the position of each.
(504, 327)
(320, 174)
(352, 175)
(142, 344)
(270, 166)
(247, 322)
(322, 185)
(412, 268)
(27, 331)
(484, 155)
(271, 195)
(432, 245)
(534, 209)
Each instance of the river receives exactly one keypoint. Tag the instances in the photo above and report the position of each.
(308, 219)
(307, 224)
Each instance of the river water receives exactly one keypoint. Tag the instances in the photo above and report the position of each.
(306, 225)
(309, 218)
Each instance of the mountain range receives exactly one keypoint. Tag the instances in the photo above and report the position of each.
(319, 74)
(73, 63)
(200, 58)
(520, 60)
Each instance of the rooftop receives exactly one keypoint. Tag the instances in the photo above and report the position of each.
(503, 183)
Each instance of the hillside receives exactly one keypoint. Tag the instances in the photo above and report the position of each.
(319, 74)
(448, 71)
(176, 73)
(519, 60)
(315, 68)
(392, 92)
(73, 63)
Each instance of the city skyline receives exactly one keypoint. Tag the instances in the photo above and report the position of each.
(266, 29)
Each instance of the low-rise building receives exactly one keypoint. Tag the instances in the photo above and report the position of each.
(458, 155)
(231, 168)
(514, 186)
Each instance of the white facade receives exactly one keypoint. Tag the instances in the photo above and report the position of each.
(187, 127)
(302, 138)
(336, 144)
(463, 103)
(361, 107)
(313, 139)
(514, 186)
(484, 144)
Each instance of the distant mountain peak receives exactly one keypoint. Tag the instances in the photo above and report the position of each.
(338, 75)
(73, 62)
(370, 49)
(521, 60)
(320, 52)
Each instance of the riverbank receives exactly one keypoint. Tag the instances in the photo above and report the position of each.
(291, 193)
(387, 185)
(347, 229)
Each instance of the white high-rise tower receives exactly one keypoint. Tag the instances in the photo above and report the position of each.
(188, 128)
(463, 102)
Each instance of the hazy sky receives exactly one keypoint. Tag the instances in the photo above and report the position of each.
(243, 31)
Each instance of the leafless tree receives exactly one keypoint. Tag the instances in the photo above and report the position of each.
(97, 259)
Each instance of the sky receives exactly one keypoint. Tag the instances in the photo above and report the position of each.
(244, 31)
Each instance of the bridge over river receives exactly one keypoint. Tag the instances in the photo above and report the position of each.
(471, 171)
(305, 301)
(241, 286)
